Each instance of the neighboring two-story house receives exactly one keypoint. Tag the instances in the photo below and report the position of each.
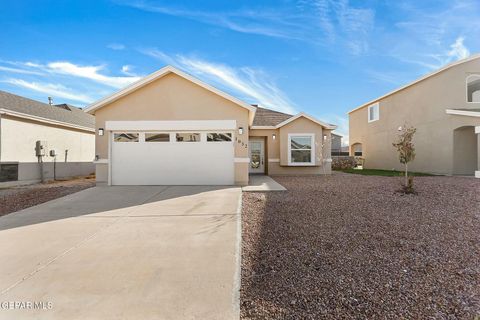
(443, 106)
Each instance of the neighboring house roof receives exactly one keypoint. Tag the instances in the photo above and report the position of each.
(267, 117)
(62, 114)
(159, 74)
(336, 134)
(448, 66)
(270, 119)
(464, 112)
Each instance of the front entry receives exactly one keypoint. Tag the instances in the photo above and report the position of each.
(256, 152)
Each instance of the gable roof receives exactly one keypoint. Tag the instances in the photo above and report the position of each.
(448, 66)
(270, 119)
(267, 117)
(62, 114)
(159, 74)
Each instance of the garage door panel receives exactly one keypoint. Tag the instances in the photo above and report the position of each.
(172, 163)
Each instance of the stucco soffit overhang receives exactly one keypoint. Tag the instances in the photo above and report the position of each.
(159, 74)
(466, 113)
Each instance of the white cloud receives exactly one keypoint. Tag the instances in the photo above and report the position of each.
(116, 46)
(458, 50)
(17, 70)
(89, 72)
(252, 84)
(53, 90)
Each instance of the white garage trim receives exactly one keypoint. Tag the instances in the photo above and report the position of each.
(181, 125)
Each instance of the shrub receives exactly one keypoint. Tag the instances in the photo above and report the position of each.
(343, 163)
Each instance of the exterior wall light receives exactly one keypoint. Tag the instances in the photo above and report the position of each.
(100, 132)
(240, 130)
(274, 136)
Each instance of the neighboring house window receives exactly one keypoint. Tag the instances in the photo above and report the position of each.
(473, 88)
(373, 112)
(125, 137)
(157, 137)
(188, 137)
(301, 149)
(8, 172)
(219, 137)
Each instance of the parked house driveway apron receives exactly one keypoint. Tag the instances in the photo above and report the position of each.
(152, 252)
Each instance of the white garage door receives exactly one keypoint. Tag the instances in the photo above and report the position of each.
(172, 158)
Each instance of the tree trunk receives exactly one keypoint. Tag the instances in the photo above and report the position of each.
(406, 175)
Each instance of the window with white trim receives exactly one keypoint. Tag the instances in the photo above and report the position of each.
(373, 112)
(157, 137)
(125, 137)
(301, 149)
(219, 137)
(188, 137)
(473, 88)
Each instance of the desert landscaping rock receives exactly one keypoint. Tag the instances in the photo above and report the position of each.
(349, 246)
(18, 198)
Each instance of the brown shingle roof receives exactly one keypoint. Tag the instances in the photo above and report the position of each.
(266, 117)
(62, 112)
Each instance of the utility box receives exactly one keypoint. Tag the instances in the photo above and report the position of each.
(40, 148)
(53, 153)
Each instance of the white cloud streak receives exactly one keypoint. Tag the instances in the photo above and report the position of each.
(252, 84)
(50, 89)
(21, 71)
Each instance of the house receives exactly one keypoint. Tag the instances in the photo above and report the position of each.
(170, 128)
(39, 140)
(336, 144)
(443, 106)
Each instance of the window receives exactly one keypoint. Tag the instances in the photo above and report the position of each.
(301, 149)
(373, 112)
(219, 137)
(473, 88)
(157, 137)
(8, 172)
(188, 137)
(125, 137)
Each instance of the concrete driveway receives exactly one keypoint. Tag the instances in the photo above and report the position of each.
(123, 253)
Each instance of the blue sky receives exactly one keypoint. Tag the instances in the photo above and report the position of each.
(321, 57)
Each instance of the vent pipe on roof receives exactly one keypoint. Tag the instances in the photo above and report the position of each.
(50, 100)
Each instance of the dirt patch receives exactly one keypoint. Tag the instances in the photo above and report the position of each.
(349, 246)
(18, 198)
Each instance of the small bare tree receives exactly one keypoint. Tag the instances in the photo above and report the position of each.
(406, 152)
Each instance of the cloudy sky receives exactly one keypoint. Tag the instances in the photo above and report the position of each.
(321, 57)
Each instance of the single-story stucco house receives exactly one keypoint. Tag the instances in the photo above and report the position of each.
(170, 128)
(444, 107)
(40, 140)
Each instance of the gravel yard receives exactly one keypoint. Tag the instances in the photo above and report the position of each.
(348, 246)
(18, 198)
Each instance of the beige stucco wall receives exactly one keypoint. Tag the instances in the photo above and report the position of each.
(18, 139)
(423, 106)
(277, 150)
(175, 98)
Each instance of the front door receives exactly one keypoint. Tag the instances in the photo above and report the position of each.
(256, 153)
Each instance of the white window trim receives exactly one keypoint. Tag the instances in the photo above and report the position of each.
(313, 154)
(377, 105)
(466, 88)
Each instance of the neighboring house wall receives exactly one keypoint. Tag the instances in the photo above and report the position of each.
(423, 106)
(18, 139)
(336, 143)
(277, 150)
(172, 97)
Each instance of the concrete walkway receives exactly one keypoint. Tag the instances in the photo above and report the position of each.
(124, 253)
(261, 183)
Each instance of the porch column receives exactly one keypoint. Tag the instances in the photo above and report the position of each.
(477, 131)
